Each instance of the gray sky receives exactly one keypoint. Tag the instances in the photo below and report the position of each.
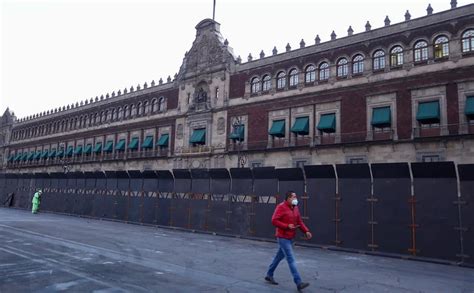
(59, 52)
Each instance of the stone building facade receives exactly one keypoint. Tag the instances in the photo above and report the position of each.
(399, 93)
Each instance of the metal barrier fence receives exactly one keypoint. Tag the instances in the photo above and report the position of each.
(417, 210)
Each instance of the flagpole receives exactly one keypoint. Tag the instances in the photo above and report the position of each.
(214, 11)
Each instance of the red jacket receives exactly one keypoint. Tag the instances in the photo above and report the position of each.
(284, 215)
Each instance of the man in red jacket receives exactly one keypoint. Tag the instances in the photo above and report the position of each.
(287, 219)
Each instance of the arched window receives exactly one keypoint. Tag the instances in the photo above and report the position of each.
(441, 47)
(341, 68)
(255, 85)
(133, 110)
(293, 76)
(139, 109)
(119, 113)
(324, 71)
(379, 60)
(310, 74)
(96, 118)
(467, 41)
(281, 80)
(146, 107)
(358, 64)
(421, 51)
(266, 83)
(154, 105)
(161, 104)
(396, 56)
(125, 112)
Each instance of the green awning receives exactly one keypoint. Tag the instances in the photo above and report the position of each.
(278, 128)
(109, 146)
(18, 157)
(470, 107)
(120, 145)
(78, 150)
(148, 142)
(52, 153)
(381, 117)
(199, 136)
(98, 147)
(327, 123)
(11, 157)
(30, 156)
(60, 153)
(164, 140)
(87, 150)
(301, 126)
(133, 145)
(37, 155)
(238, 133)
(70, 151)
(24, 157)
(428, 112)
(44, 154)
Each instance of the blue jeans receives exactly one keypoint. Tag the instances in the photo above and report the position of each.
(285, 249)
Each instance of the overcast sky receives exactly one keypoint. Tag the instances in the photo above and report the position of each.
(59, 52)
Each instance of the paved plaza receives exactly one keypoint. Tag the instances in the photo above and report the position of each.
(51, 252)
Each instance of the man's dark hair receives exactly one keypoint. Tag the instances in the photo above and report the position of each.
(289, 194)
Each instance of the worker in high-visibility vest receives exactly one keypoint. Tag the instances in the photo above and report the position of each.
(36, 201)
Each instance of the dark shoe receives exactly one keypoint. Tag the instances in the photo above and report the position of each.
(301, 286)
(270, 280)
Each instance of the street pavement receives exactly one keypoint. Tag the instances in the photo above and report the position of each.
(50, 253)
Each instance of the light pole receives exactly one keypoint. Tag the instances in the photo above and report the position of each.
(241, 158)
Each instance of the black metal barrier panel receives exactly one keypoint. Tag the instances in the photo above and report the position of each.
(354, 209)
(242, 181)
(200, 181)
(86, 209)
(436, 215)
(62, 193)
(135, 200)
(466, 178)
(11, 180)
(290, 179)
(80, 195)
(165, 181)
(100, 208)
(321, 203)
(220, 181)
(150, 197)
(3, 183)
(182, 180)
(265, 182)
(391, 208)
(121, 197)
(22, 197)
(218, 218)
(70, 195)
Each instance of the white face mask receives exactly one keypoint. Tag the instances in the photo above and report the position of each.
(294, 202)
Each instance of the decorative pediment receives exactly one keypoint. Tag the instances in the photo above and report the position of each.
(209, 51)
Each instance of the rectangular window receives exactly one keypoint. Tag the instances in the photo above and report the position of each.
(356, 160)
(256, 164)
(430, 158)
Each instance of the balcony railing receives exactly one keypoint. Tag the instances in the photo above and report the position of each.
(284, 143)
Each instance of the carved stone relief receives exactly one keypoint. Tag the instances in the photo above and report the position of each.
(221, 125)
(179, 131)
